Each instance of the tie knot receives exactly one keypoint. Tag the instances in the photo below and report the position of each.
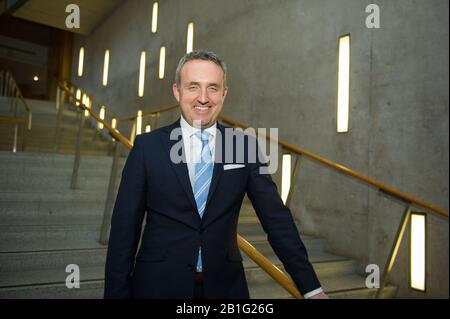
(203, 136)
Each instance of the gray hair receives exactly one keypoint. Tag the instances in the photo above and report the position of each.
(200, 55)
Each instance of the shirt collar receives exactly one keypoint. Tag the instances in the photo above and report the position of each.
(186, 127)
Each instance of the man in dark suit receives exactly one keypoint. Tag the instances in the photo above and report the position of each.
(191, 202)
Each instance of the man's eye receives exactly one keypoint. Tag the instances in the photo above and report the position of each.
(192, 87)
(213, 88)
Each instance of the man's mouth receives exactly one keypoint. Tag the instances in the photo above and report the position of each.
(202, 108)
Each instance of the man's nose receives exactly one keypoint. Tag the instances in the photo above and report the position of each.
(203, 97)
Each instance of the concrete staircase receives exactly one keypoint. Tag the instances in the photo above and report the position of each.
(42, 136)
(45, 225)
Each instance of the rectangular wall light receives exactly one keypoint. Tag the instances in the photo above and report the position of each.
(80, 61)
(78, 96)
(155, 17)
(190, 37)
(141, 75)
(162, 62)
(113, 125)
(418, 251)
(102, 116)
(285, 176)
(87, 103)
(343, 98)
(105, 68)
(139, 123)
(148, 128)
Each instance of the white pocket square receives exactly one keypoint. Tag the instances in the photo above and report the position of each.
(232, 166)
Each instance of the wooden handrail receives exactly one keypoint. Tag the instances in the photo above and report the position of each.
(161, 110)
(110, 129)
(124, 119)
(382, 187)
(95, 102)
(278, 275)
(11, 120)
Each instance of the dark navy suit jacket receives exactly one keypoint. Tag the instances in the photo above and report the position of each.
(154, 187)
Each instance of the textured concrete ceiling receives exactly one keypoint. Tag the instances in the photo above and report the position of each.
(53, 13)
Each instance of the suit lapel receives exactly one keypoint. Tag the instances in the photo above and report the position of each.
(180, 169)
(218, 163)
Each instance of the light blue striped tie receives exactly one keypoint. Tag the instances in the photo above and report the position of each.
(202, 181)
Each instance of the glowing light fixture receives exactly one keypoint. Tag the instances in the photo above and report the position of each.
(418, 255)
(78, 96)
(343, 98)
(141, 75)
(148, 128)
(105, 68)
(155, 17)
(190, 37)
(139, 123)
(35, 78)
(87, 103)
(80, 62)
(286, 176)
(102, 116)
(162, 62)
(113, 125)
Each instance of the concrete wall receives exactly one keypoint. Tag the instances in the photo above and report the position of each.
(282, 59)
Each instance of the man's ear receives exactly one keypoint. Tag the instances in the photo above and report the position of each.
(176, 93)
(225, 92)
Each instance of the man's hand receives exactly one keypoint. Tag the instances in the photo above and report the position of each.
(322, 295)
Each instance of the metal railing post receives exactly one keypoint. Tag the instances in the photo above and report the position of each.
(16, 133)
(394, 250)
(24, 130)
(59, 108)
(16, 127)
(76, 164)
(104, 232)
(58, 98)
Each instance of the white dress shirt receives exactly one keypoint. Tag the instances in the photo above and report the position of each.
(193, 145)
(192, 150)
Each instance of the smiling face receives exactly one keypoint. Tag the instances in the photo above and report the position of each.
(201, 92)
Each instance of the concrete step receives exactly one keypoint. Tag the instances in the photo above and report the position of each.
(14, 265)
(49, 159)
(59, 184)
(41, 267)
(85, 151)
(88, 290)
(350, 286)
(87, 170)
(346, 287)
(66, 130)
(63, 196)
(324, 269)
(47, 122)
(65, 138)
(94, 290)
(316, 254)
(51, 213)
(14, 238)
(39, 183)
